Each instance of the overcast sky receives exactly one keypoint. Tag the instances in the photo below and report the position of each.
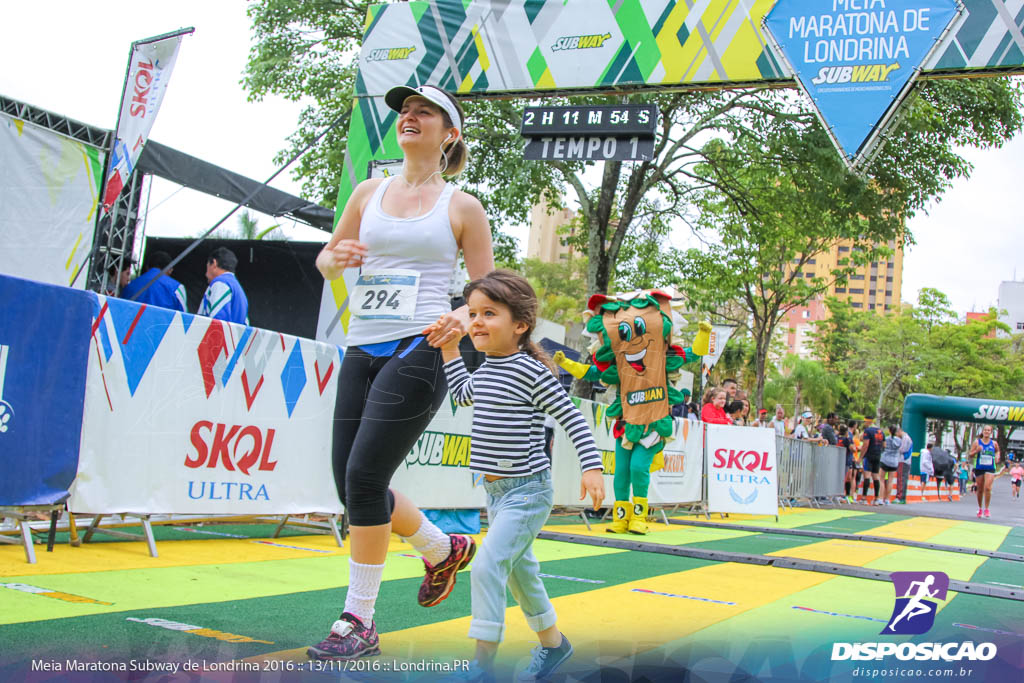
(70, 57)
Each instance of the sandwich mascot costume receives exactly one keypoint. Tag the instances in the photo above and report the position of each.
(634, 352)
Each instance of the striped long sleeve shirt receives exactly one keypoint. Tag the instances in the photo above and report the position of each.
(510, 396)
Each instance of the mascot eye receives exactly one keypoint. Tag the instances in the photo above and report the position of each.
(640, 325)
(625, 331)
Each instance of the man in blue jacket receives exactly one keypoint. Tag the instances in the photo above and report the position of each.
(165, 292)
(224, 298)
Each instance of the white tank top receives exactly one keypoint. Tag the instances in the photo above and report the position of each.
(424, 244)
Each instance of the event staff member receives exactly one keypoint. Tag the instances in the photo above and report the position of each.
(166, 292)
(405, 233)
(224, 298)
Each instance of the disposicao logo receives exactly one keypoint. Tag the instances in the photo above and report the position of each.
(917, 597)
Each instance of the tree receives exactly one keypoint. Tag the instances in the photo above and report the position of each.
(922, 349)
(777, 198)
(559, 288)
(750, 170)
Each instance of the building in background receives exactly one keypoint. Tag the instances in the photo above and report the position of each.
(545, 243)
(1011, 300)
(976, 315)
(875, 286)
(800, 326)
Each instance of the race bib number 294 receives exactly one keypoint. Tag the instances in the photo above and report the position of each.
(386, 294)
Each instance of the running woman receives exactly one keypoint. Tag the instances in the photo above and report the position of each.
(511, 393)
(985, 452)
(1016, 474)
(405, 233)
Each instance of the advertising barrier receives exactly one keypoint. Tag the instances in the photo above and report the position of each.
(186, 414)
(743, 475)
(44, 332)
(678, 482)
(436, 472)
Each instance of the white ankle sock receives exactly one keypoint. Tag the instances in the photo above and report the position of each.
(363, 585)
(430, 541)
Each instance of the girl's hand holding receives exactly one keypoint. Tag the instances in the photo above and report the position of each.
(448, 329)
(593, 483)
(444, 335)
(345, 254)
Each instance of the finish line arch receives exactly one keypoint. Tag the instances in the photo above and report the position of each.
(917, 408)
(480, 49)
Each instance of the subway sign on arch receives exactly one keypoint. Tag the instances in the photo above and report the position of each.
(998, 413)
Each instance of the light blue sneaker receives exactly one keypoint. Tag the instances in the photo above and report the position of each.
(545, 661)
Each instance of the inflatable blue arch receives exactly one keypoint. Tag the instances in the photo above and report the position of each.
(917, 408)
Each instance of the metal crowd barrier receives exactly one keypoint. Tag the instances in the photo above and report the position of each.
(809, 472)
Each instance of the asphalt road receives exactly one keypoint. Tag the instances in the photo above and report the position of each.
(1004, 510)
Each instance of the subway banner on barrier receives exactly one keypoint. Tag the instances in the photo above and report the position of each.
(436, 473)
(857, 59)
(186, 414)
(742, 472)
(679, 481)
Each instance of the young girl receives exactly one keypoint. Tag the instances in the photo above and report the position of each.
(510, 393)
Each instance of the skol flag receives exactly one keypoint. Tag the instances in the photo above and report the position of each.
(149, 71)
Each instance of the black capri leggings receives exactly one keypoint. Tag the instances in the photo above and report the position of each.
(384, 403)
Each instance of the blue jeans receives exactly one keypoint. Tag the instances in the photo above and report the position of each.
(517, 508)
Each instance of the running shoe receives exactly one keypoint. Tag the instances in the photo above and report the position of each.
(440, 579)
(986, 515)
(545, 660)
(348, 640)
(979, 512)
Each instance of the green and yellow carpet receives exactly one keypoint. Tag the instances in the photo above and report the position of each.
(237, 604)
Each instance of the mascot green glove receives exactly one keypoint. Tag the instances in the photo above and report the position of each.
(634, 353)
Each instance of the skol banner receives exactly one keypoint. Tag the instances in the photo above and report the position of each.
(185, 414)
(742, 471)
(149, 71)
(679, 481)
(49, 185)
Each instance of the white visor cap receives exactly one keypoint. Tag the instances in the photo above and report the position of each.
(396, 97)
